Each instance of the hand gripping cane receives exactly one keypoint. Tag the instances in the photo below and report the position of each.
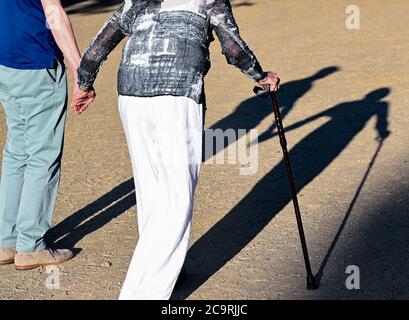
(264, 92)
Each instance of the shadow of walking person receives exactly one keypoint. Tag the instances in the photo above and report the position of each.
(95, 215)
(251, 112)
(121, 198)
(268, 197)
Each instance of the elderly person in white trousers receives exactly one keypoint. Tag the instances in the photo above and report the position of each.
(161, 103)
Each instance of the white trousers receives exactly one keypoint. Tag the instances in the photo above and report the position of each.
(164, 136)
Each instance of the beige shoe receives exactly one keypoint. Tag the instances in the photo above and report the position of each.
(31, 260)
(7, 255)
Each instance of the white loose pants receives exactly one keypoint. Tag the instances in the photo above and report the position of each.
(164, 136)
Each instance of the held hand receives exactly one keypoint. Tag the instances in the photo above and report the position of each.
(82, 99)
(75, 93)
(272, 80)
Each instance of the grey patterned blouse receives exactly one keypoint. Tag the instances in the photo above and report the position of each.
(168, 48)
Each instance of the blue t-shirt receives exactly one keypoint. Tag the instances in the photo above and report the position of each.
(25, 40)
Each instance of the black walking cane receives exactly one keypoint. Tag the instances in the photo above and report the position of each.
(264, 92)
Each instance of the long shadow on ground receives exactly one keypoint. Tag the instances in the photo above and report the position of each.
(251, 112)
(243, 223)
(71, 230)
(109, 206)
(268, 197)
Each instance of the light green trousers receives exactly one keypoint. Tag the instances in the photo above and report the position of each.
(35, 104)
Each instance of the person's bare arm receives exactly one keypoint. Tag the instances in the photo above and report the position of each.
(61, 28)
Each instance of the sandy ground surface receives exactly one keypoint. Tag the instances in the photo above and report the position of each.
(245, 243)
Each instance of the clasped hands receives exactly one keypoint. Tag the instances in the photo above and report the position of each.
(82, 99)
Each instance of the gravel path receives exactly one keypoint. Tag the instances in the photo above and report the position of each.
(341, 89)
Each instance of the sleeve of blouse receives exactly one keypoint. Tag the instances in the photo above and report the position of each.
(234, 48)
(110, 35)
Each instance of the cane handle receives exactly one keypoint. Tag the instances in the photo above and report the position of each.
(262, 92)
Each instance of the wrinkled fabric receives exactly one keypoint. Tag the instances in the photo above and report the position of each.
(164, 136)
(168, 48)
(35, 105)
